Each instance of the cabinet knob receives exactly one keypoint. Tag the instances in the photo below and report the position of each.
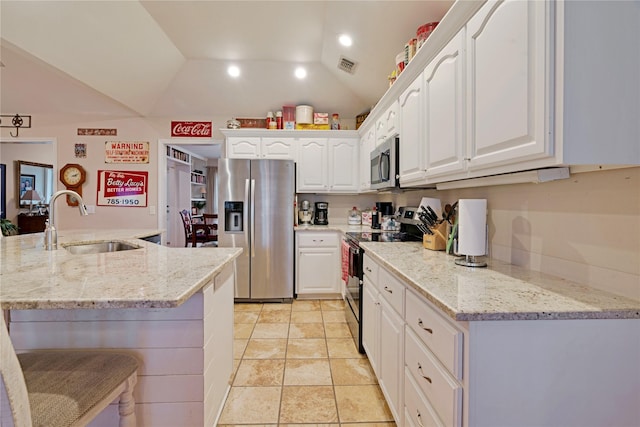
(423, 327)
(422, 374)
(388, 290)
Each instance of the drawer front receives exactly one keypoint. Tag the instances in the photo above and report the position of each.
(439, 387)
(392, 290)
(417, 411)
(314, 240)
(443, 340)
(370, 268)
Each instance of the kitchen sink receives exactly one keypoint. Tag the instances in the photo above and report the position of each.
(99, 247)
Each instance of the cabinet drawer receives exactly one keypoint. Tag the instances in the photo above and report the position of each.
(439, 387)
(370, 269)
(313, 240)
(443, 340)
(392, 289)
(417, 411)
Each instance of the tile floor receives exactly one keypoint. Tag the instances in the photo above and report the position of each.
(297, 365)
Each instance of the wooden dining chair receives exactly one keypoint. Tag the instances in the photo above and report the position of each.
(60, 388)
(195, 233)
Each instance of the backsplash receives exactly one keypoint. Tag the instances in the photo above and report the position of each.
(584, 229)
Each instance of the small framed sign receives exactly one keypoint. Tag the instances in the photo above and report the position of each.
(122, 188)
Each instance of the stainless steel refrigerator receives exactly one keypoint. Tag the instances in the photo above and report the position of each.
(255, 212)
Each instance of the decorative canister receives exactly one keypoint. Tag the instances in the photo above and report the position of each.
(304, 114)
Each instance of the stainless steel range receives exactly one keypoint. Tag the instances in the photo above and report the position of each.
(408, 233)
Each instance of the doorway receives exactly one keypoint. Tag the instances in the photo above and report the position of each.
(174, 184)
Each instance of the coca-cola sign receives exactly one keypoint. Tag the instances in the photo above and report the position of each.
(191, 129)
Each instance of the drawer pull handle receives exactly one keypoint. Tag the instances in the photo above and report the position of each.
(368, 269)
(422, 374)
(419, 418)
(319, 240)
(388, 290)
(422, 326)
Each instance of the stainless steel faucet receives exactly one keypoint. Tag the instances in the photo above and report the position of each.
(50, 233)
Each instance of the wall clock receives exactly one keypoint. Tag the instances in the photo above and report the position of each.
(72, 175)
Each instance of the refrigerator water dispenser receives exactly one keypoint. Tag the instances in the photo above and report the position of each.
(233, 216)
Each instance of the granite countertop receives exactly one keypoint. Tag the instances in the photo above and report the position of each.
(500, 292)
(152, 276)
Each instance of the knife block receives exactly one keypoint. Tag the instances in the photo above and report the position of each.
(438, 240)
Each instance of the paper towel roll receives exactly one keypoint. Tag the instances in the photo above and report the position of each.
(472, 226)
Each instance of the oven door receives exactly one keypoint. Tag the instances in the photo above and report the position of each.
(353, 309)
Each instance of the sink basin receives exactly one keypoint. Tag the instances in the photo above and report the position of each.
(99, 247)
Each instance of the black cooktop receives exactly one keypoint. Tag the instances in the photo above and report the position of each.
(384, 236)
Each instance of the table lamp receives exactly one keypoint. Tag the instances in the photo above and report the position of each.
(31, 196)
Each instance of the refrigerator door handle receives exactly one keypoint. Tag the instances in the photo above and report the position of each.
(253, 218)
(245, 213)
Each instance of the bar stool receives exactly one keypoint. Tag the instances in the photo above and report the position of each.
(65, 388)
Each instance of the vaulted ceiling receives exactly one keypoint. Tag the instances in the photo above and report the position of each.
(169, 58)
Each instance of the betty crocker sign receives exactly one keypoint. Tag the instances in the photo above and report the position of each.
(122, 188)
(191, 129)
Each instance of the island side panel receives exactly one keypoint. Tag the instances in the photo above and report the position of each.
(554, 372)
(175, 346)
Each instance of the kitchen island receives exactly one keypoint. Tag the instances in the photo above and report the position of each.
(501, 346)
(170, 307)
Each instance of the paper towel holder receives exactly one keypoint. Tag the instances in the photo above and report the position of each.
(470, 261)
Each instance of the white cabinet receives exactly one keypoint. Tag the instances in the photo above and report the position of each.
(239, 147)
(328, 165)
(411, 151)
(506, 83)
(445, 110)
(367, 144)
(318, 263)
(387, 125)
(256, 147)
(383, 332)
(371, 323)
(313, 165)
(392, 358)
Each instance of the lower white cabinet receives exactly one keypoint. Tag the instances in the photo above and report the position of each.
(318, 263)
(392, 358)
(383, 335)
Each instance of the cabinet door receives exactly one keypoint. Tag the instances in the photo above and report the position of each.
(370, 324)
(367, 144)
(506, 71)
(279, 148)
(444, 110)
(243, 147)
(318, 271)
(412, 162)
(391, 120)
(312, 170)
(392, 359)
(343, 160)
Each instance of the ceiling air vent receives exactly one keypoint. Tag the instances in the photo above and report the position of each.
(347, 65)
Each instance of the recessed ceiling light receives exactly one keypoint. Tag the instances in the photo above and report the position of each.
(345, 40)
(233, 71)
(301, 73)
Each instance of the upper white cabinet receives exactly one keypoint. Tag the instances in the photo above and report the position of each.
(412, 164)
(445, 110)
(507, 83)
(328, 165)
(387, 125)
(255, 147)
(367, 144)
(313, 165)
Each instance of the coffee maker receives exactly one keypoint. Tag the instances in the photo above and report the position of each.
(321, 216)
(305, 214)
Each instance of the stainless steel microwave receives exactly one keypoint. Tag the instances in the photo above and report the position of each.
(384, 165)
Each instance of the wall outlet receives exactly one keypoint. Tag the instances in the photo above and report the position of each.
(91, 209)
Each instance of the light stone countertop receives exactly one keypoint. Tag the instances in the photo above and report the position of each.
(153, 276)
(500, 292)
